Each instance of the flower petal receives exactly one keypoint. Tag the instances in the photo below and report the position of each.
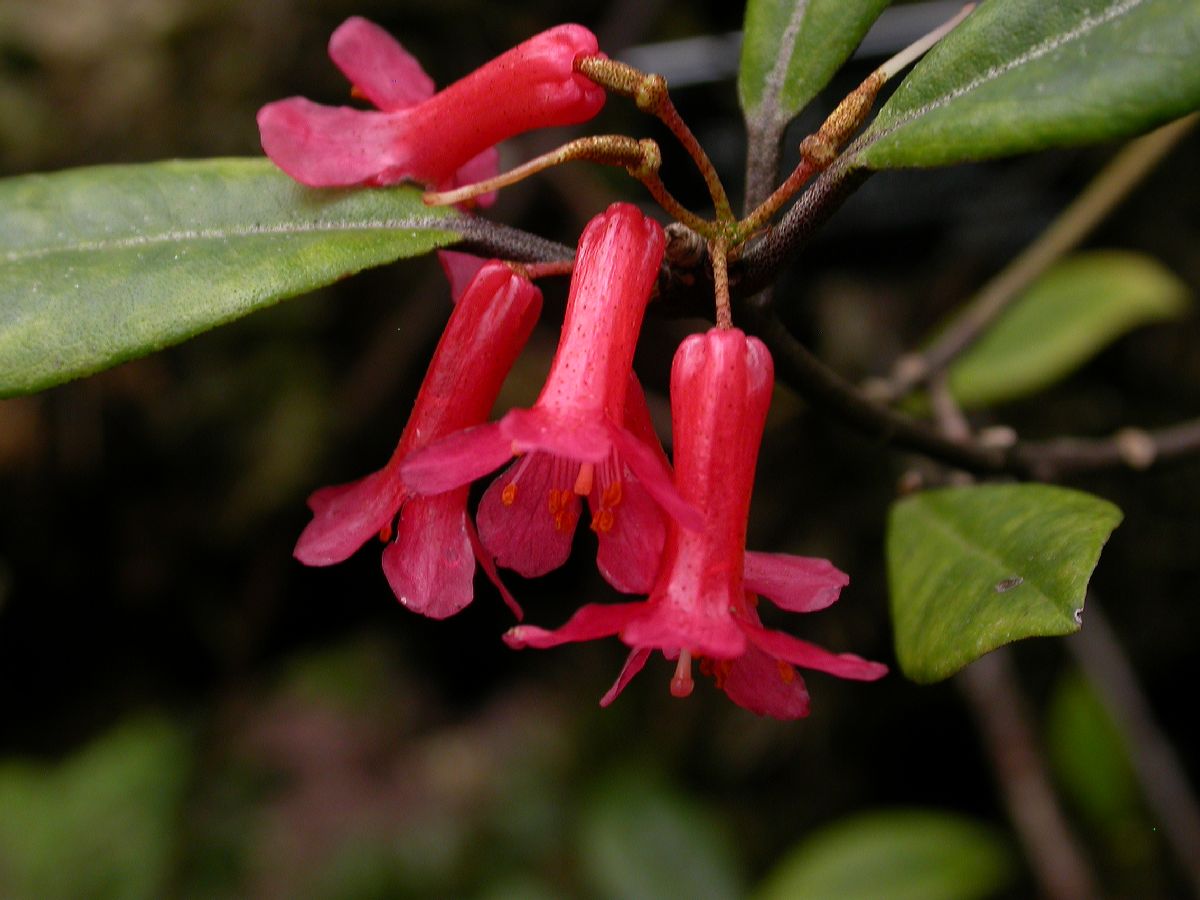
(633, 664)
(795, 583)
(346, 516)
(675, 623)
(332, 146)
(810, 656)
(431, 564)
(382, 70)
(581, 440)
(460, 269)
(656, 478)
(765, 686)
(524, 533)
(596, 620)
(456, 459)
(631, 544)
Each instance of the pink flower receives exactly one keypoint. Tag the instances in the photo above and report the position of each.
(440, 139)
(586, 435)
(430, 564)
(702, 605)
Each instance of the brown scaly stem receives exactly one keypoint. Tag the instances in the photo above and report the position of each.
(606, 149)
(650, 180)
(641, 159)
(819, 150)
(650, 94)
(718, 253)
(534, 271)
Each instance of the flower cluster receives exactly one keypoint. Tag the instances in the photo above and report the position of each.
(676, 535)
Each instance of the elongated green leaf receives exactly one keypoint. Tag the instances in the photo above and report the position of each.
(1021, 75)
(904, 855)
(971, 569)
(1070, 314)
(103, 264)
(791, 48)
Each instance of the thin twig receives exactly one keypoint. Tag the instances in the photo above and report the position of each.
(994, 698)
(1105, 193)
(1162, 777)
(1043, 460)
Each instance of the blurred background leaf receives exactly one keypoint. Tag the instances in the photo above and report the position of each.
(1067, 316)
(102, 823)
(900, 855)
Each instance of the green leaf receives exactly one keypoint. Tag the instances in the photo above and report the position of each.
(1067, 316)
(971, 569)
(101, 824)
(100, 265)
(641, 840)
(1088, 755)
(1024, 75)
(903, 855)
(792, 48)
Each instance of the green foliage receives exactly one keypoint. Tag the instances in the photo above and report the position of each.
(101, 824)
(1088, 755)
(902, 855)
(971, 569)
(1090, 760)
(1025, 75)
(1067, 316)
(104, 264)
(640, 839)
(790, 50)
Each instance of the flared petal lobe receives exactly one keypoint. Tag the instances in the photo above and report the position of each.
(430, 566)
(380, 69)
(418, 136)
(431, 562)
(796, 583)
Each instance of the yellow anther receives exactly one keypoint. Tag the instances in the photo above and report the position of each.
(602, 522)
(786, 673)
(508, 496)
(612, 495)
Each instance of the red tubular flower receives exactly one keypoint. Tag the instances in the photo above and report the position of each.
(431, 563)
(702, 604)
(580, 437)
(435, 139)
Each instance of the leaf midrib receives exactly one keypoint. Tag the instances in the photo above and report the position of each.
(1049, 45)
(948, 527)
(430, 223)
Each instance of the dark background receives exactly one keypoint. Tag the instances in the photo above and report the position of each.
(274, 730)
